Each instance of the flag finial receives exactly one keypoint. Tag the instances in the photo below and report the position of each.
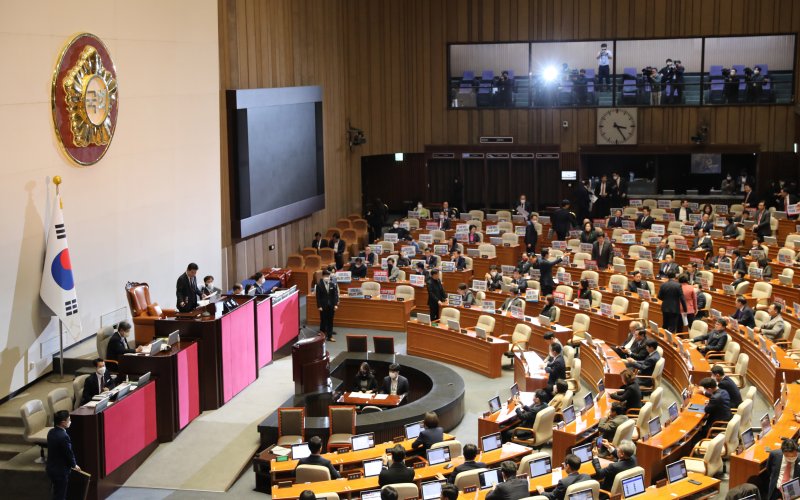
(57, 180)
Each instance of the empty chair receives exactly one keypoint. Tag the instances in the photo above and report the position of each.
(487, 250)
(655, 399)
(383, 345)
(642, 266)
(449, 313)
(711, 462)
(342, 426)
(788, 272)
(371, 288)
(580, 325)
(581, 258)
(728, 356)
(356, 343)
(313, 262)
(371, 409)
(674, 227)
(698, 328)
(295, 261)
(486, 322)
(590, 275)
(617, 233)
(569, 356)
(477, 214)
(438, 235)
(507, 227)
(405, 490)
(619, 305)
(312, 473)
(542, 430)
(574, 380)
(742, 288)
(34, 418)
(453, 445)
(327, 256)
(644, 311)
(291, 426)
(566, 290)
(525, 464)
(57, 400)
(504, 215)
(405, 292)
(762, 291)
(618, 279)
(745, 413)
(77, 390)
(584, 485)
(739, 375)
(510, 238)
(633, 251)
(574, 244)
(731, 432)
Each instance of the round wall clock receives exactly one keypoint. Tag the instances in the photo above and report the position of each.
(616, 126)
(85, 99)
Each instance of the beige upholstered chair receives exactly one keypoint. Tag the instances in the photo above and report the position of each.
(745, 413)
(616, 487)
(449, 313)
(618, 279)
(591, 275)
(311, 474)
(642, 418)
(633, 251)
(655, 378)
(655, 399)
(468, 479)
(453, 445)
(585, 485)
(487, 250)
(291, 426)
(58, 399)
(644, 311)
(329, 495)
(739, 375)
(477, 214)
(574, 380)
(619, 305)
(566, 290)
(580, 258)
(34, 418)
(405, 292)
(405, 490)
(711, 462)
(77, 390)
(542, 430)
(525, 464)
(486, 322)
(597, 298)
(762, 292)
(742, 288)
(624, 432)
(371, 288)
(504, 215)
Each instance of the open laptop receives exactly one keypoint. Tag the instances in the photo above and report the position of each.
(373, 467)
(489, 478)
(791, 489)
(748, 439)
(143, 379)
(480, 333)
(588, 401)
(437, 456)
(155, 347)
(514, 390)
(362, 441)
(601, 387)
(633, 486)
(300, 451)
(174, 338)
(453, 325)
(672, 411)
(371, 495)
(491, 442)
(766, 425)
(494, 404)
(540, 467)
(581, 495)
(654, 426)
(569, 414)
(676, 471)
(413, 429)
(432, 490)
(425, 319)
(544, 320)
(584, 452)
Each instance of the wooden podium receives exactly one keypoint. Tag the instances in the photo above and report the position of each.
(310, 364)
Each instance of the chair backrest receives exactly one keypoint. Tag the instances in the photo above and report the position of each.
(342, 419)
(412, 223)
(448, 313)
(101, 340)
(405, 490)
(312, 473)
(787, 252)
(383, 345)
(77, 390)
(674, 227)
(487, 249)
(566, 290)
(644, 311)
(742, 288)
(371, 288)
(655, 398)
(57, 400)
(524, 464)
(543, 425)
(574, 244)
(745, 413)
(624, 432)
(762, 291)
(699, 327)
(643, 264)
(792, 240)
(732, 350)
(295, 261)
(590, 275)
(34, 417)
(468, 479)
(597, 298)
(438, 235)
(646, 235)
(618, 261)
(576, 370)
(581, 323)
(477, 214)
(453, 445)
(796, 339)
(741, 365)
(313, 262)
(308, 251)
(618, 279)
(788, 272)
(617, 233)
(732, 435)
(645, 414)
(713, 455)
(356, 343)
(619, 305)
(486, 322)
(584, 485)
(469, 263)
(557, 317)
(138, 298)
(761, 317)
(404, 292)
(569, 355)
(616, 487)
(327, 255)
(291, 422)
(503, 215)
(581, 257)
(633, 251)
(658, 371)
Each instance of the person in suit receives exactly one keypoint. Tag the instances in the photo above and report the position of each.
(467, 297)
(602, 252)
(662, 250)
(744, 314)
(608, 425)
(625, 460)
(572, 465)
(630, 394)
(208, 288)
(257, 288)
(318, 242)
(518, 283)
(718, 408)
(397, 472)
(430, 258)
(512, 488)
(338, 250)
(494, 281)
(556, 369)
(444, 221)
(782, 466)
(589, 234)
(714, 340)
(648, 364)
(584, 292)
(431, 433)
(667, 267)
(436, 294)
(705, 224)
(118, 343)
(449, 491)
(473, 236)
(619, 190)
(186, 291)
(470, 451)
(97, 383)
(616, 220)
(644, 221)
(60, 457)
(314, 446)
(604, 196)
(358, 271)
(550, 310)
(672, 302)
(773, 327)
(738, 278)
(720, 257)
(787, 199)
(762, 222)
(731, 230)
(531, 235)
(583, 199)
(395, 383)
(545, 268)
(523, 207)
(524, 265)
(460, 262)
(727, 384)
(562, 220)
(634, 345)
(691, 274)
(748, 197)
(365, 380)
(738, 261)
(636, 283)
(526, 416)
(420, 270)
(369, 256)
(766, 269)
(683, 212)
(702, 242)
(327, 294)
(393, 272)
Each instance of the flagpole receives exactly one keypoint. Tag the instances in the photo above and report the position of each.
(57, 182)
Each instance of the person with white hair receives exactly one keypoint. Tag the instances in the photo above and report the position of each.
(626, 459)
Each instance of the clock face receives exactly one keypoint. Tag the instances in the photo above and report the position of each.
(616, 126)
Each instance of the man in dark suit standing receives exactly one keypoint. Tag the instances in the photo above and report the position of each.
(186, 289)
(787, 199)
(619, 190)
(511, 488)
(314, 446)
(604, 194)
(727, 384)
(647, 365)
(97, 383)
(748, 196)
(762, 226)
(572, 466)
(60, 457)
(556, 369)
(397, 472)
(601, 251)
(783, 466)
(319, 242)
(470, 452)
(583, 200)
(562, 220)
(545, 268)
(118, 344)
(672, 303)
(328, 302)
(394, 383)
(644, 221)
(338, 250)
(436, 294)
(531, 236)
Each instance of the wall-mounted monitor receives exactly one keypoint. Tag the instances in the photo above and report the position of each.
(569, 175)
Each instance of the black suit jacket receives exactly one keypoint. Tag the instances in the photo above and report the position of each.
(318, 460)
(762, 223)
(774, 469)
(358, 272)
(602, 255)
(634, 287)
(325, 297)
(545, 268)
(444, 223)
(561, 488)
(643, 222)
(730, 231)
(630, 395)
(608, 474)
(745, 317)
(661, 253)
(117, 347)
(614, 222)
(677, 212)
(706, 243)
(562, 221)
(513, 489)
(320, 243)
(338, 247)
(556, 370)
(671, 297)
(428, 437)
(666, 268)
(186, 293)
(729, 385)
(60, 457)
(531, 236)
(705, 226)
(718, 408)
(396, 473)
(436, 291)
(90, 388)
(402, 385)
(461, 264)
(648, 364)
(465, 467)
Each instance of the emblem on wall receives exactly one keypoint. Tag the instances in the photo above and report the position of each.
(85, 99)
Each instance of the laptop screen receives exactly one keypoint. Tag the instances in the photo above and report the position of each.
(362, 441)
(766, 425)
(581, 495)
(514, 390)
(632, 486)
(601, 386)
(569, 414)
(748, 439)
(453, 325)
(425, 319)
(654, 426)
(584, 452)
(676, 471)
(432, 490)
(544, 320)
(371, 495)
(438, 455)
(490, 477)
(373, 467)
(791, 489)
(491, 442)
(540, 467)
(300, 451)
(673, 411)
(494, 404)
(588, 401)
(413, 429)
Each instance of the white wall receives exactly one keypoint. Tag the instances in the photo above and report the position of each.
(149, 207)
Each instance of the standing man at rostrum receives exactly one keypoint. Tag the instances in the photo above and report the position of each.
(186, 289)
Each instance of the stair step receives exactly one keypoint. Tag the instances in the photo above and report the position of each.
(11, 421)
(12, 435)
(9, 451)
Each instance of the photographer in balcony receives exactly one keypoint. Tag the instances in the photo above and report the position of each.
(676, 92)
(730, 89)
(650, 77)
(667, 74)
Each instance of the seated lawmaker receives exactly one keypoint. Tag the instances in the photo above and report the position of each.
(526, 415)
(773, 327)
(470, 452)
(392, 270)
(358, 271)
(319, 242)
(714, 340)
(572, 466)
(616, 417)
(559, 401)
(644, 221)
(473, 236)
(494, 281)
(766, 269)
(518, 283)
(625, 460)
(662, 250)
(395, 383)
(637, 284)
(511, 488)
(731, 230)
(718, 408)
(668, 267)
(420, 270)
(430, 434)
(630, 394)
(550, 309)
(459, 261)
(401, 232)
(314, 446)
(702, 242)
(118, 343)
(365, 379)
(98, 382)
(721, 257)
(616, 220)
(397, 472)
(467, 297)
(369, 256)
(648, 364)
(744, 313)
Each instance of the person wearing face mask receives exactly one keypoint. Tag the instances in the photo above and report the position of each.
(392, 271)
(118, 343)
(395, 383)
(728, 185)
(401, 232)
(209, 289)
(523, 208)
(97, 383)
(494, 280)
(365, 380)
(755, 85)
(782, 466)
(423, 212)
(328, 302)
(257, 288)
(667, 75)
(60, 457)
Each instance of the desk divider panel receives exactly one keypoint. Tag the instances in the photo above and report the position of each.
(285, 320)
(129, 426)
(188, 386)
(264, 331)
(238, 343)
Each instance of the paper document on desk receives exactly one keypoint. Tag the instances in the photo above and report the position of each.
(203, 303)
(91, 404)
(381, 396)
(146, 349)
(361, 395)
(281, 451)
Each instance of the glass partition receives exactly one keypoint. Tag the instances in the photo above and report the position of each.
(565, 74)
(489, 75)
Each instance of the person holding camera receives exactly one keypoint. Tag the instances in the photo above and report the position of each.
(650, 75)
(676, 91)
(667, 74)
(603, 66)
